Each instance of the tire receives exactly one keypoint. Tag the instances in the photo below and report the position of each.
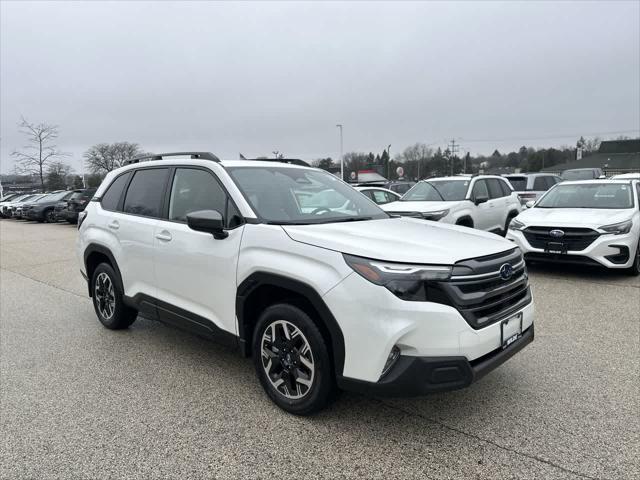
(108, 299)
(300, 379)
(50, 216)
(634, 270)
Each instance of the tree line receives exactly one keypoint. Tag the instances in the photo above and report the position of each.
(40, 158)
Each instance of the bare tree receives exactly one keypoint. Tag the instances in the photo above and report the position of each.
(39, 151)
(104, 157)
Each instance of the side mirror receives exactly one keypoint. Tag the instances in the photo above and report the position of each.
(209, 221)
(530, 204)
(481, 199)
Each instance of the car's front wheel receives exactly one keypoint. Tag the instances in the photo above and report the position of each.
(50, 216)
(292, 360)
(108, 299)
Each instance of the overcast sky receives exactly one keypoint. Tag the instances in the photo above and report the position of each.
(258, 77)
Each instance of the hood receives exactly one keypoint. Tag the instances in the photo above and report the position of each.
(573, 217)
(400, 206)
(406, 240)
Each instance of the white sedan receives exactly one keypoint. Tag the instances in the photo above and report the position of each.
(594, 222)
(379, 195)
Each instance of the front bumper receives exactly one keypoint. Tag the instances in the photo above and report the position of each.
(34, 214)
(611, 251)
(415, 376)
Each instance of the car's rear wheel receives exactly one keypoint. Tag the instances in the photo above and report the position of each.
(108, 299)
(634, 270)
(292, 360)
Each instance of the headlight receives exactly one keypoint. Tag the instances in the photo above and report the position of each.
(516, 225)
(435, 216)
(618, 228)
(406, 281)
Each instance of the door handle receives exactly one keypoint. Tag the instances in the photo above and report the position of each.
(164, 236)
(114, 225)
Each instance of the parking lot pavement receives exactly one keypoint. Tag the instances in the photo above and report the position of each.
(80, 401)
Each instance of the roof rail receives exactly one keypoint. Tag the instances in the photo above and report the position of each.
(292, 161)
(160, 156)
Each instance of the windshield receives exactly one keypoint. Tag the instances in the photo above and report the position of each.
(451, 190)
(596, 195)
(52, 197)
(578, 175)
(296, 196)
(422, 192)
(519, 183)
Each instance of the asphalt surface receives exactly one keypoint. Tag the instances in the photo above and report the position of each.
(80, 401)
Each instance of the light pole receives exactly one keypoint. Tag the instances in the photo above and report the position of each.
(388, 160)
(339, 125)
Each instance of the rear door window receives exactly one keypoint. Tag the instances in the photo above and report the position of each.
(111, 198)
(506, 191)
(144, 195)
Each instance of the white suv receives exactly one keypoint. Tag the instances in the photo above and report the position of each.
(486, 202)
(321, 297)
(592, 222)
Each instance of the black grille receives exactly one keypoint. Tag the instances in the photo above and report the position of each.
(574, 239)
(408, 214)
(480, 294)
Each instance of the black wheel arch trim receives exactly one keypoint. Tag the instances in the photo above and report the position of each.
(465, 219)
(258, 279)
(97, 248)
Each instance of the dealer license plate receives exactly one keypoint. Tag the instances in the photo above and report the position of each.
(510, 330)
(556, 247)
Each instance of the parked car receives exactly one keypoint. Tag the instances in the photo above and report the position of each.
(43, 209)
(379, 195)
(399, 186)
(531, 186)
(321, 297)
(594, 222)
(485, 202)
(8, 199)
(582, 174)
(626, 176)
(15, 208)
(78, 202)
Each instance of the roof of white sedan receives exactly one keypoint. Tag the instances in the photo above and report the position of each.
(603, 181)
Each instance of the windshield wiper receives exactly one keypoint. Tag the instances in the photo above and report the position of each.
(348, 219)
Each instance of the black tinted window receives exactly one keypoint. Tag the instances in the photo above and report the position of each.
(519, 183)
(480, 189)
(194, 190)
(144, 195)
(111, 197)
(540, 184)
(506, 191)
(494, 188)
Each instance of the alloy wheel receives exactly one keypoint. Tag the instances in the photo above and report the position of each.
(51, 216)
(105, 296)
(287, 359)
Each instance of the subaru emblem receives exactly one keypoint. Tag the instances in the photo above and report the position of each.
(506, 271)
(556, 233)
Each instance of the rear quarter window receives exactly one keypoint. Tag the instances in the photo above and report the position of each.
(111, 198)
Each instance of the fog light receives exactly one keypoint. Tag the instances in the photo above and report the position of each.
(391, 360)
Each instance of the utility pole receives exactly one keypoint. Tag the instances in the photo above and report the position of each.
(339, 125)
(453, 149)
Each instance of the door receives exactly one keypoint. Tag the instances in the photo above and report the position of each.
(134, 226)
(483, 218)
(195, 273)
(498, 203)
